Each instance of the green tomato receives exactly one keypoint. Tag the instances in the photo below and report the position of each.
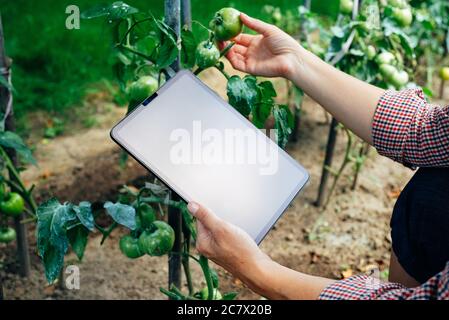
(399, 79)
(387, 71)
(204, 294)
(403, 17)
(141, 89)
(12, 204)
(207, 54)
(346, 6)
(158, 242)
(385, 58)
(226, 24)
(371, 52)
(147, 215)
(444, 73)
(276, 16)
(7, 235)
(129, 246)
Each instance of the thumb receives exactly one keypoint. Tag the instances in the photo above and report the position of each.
(256, 24)
(207, 218)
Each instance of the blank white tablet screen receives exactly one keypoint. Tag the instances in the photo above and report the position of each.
(207, 152)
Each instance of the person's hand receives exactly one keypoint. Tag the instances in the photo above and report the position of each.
(271, 53)
(225, 244)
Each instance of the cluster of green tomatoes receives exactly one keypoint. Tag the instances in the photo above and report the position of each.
(389, 66)
(152, 237)
(401, 10)
(11, 206)
(225, 25)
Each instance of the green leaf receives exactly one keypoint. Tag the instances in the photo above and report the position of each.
(229, 296)
(115, 11)
(262, 110)
(188, 48)
(95, 12)
(242, 93)
(283, 123)
(78, 240)
(84, 214)
(156, 189)
(338, 31)
(9, 139)
(119, 10)
(52, 241)
(122, 214)
(147, 45)
(168, 50)
(167, 54)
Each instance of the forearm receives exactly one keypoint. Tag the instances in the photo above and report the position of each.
(276, 282)
(351, 101)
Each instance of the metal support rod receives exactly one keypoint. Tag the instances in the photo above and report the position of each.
(173, 19)
(332, 138)
(5, 96)
(186, 14)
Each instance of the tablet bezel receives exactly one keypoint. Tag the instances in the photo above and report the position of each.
(172, 186)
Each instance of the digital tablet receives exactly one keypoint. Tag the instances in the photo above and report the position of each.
(207, 152)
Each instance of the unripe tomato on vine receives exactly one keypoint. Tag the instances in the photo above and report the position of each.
(226, 24)
(346, 6)
(444, 73)
(207, 54)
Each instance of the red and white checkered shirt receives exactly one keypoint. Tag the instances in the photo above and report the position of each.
(363, 287)
(411, 131)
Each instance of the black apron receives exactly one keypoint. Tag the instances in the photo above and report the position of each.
(420, 224)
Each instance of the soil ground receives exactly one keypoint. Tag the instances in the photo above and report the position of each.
(350, 236)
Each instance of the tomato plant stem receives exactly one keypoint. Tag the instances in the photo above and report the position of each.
(106, 233)
(204, 263)
(226, 49)
(223, 73)
(137, 53)
(185, 257)
(135, 24)
(346, 160)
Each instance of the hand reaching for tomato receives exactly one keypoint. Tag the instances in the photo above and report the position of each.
(271, 53)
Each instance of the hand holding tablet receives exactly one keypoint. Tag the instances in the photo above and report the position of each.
(205, 151)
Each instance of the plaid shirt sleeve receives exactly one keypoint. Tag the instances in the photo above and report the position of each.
(411, 131)
(363, 287)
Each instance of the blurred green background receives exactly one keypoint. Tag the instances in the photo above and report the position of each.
(53, 66)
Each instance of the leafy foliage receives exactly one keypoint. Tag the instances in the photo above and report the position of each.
(123, 214)
(9, 139)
